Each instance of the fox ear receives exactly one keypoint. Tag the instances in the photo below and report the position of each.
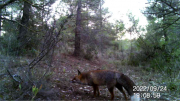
(79, 72)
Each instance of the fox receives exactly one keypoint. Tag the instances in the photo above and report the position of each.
(109, 78)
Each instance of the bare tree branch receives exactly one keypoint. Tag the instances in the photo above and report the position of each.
(7, 3)
(50, 43)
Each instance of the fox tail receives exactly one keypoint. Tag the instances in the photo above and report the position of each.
(128, 84)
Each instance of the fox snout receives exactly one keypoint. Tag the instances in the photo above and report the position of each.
(76, 80)
(73, 80)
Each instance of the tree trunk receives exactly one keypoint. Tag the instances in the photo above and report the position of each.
(101, 14)
(77, 49)
(164, 30)
(0, 21)
(23, 31)
(165, 36)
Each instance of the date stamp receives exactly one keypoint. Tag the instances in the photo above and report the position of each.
(149, 91)
(150, 88)
(148, 95)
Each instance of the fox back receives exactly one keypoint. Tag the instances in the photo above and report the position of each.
(97, 77)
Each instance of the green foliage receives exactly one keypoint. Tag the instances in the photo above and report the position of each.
(172, 86)
(117, 63)
(64, 70)
(89, 52)
(158, 49)
(35, 90)
(49, 74)
(88, 56)
(120, 26)
(20, 86)
(133, 60)
(8, 45)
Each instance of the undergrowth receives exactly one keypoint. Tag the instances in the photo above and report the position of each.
(15, 83)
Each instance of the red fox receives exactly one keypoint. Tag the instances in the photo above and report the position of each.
(109, 78)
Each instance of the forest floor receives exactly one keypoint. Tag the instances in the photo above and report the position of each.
(56, 84)
(65, 68)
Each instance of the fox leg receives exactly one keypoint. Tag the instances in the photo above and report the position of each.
(112, 93)
(96, 88)
(118, 86)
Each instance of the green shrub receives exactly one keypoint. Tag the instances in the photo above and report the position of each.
(172, 86)
(89, 52)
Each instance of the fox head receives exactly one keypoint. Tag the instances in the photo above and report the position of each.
(80, 79)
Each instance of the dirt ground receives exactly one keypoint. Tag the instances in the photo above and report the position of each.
(65, 68)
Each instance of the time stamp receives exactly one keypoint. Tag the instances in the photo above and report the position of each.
(149, 91)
